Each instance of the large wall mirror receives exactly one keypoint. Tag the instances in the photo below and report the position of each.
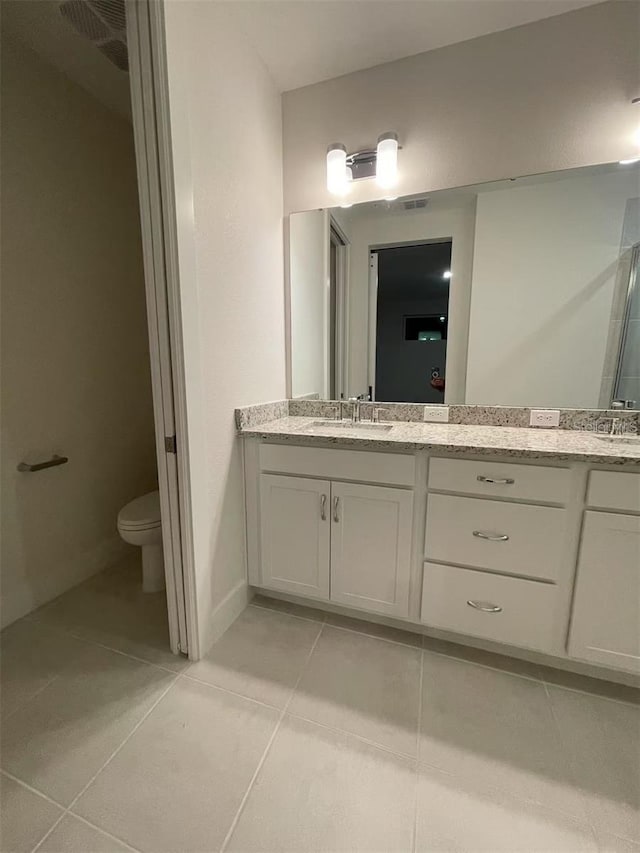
(517, 293)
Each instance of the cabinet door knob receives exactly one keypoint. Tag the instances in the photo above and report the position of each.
(506, 481)
(485, 606)
(491, 537)
(323, 507)
(336, 504)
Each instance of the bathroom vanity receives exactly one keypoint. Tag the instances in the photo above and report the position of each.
(510, 538)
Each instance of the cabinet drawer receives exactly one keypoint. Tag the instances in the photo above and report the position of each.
(501, 479)
(395, 469)
(514, 538)
(506, 610)
(614, 490)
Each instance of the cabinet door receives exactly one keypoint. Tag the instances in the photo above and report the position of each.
(605, 627)
(294, 534)
(371, 547)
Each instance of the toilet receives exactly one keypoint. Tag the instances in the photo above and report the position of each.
(139, 523)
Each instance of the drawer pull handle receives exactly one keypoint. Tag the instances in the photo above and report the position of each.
(323, 507)
(485, 606)
(491, 537)
(507, 481)
(336, 504)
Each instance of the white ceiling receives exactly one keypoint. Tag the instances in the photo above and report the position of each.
(39, 25)
(306, 42)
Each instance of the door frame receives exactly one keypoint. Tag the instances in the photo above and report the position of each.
(152, 133)
(341, 354)
(373, 297)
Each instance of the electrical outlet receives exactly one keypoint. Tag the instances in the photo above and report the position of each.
(544, 417)
(437, 414)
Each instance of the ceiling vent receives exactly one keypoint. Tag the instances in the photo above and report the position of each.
(104, 23)
(415, 203)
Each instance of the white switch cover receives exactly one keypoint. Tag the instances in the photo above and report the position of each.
(545, 417)
(437, 414)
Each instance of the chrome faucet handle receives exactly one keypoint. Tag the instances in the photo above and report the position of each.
(375, 415)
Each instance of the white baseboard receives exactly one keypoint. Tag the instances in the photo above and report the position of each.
(224, 615)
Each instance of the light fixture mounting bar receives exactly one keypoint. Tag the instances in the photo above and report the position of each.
(362, 164)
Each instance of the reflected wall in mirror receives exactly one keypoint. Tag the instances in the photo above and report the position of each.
(516, 293)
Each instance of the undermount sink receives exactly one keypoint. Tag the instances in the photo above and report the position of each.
(340, 426)
(620, 439)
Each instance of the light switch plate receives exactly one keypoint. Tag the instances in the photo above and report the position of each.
(437, 414)
(544, 417)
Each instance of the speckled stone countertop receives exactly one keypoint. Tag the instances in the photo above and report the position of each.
(561, 444)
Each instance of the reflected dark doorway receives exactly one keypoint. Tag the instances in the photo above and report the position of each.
(412, 322)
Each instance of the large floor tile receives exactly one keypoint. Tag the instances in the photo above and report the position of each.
(32, 656)
(111, 608)
(65, 734)
(496, 728)
(261, 655)
(324, 791)
(604, 740)
(24, 817)
(73, 835)
(178, 782)
(462, 816)
(364, 686)
(608, 843)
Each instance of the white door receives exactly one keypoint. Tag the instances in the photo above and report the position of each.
(294, 534)
(371, 547)
(149, 99)
(605, 627)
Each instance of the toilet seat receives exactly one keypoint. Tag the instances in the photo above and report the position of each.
(142, 513)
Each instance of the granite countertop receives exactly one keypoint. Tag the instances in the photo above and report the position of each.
(561, 444)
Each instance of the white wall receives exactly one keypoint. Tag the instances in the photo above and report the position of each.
(75, 361)
(308, 269)
(454, 222)
(227, 150)
(544, 270)
(550, 95)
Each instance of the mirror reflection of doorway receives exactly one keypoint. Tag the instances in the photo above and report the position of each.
(412, 320)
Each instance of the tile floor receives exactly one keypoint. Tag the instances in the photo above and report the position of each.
(298, 732)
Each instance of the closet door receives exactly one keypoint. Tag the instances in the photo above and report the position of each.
(371, 547)
(294, 534)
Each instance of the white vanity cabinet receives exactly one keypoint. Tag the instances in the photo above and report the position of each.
(605, 625)
(335, 539)
(498, 553)
(371, 547)
(295, 534)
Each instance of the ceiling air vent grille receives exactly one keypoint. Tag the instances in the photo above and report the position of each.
(415, 203)
(116, 52)
(80, 16)
(103, 22)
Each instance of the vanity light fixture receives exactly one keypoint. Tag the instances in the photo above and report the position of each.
(380, 163)
(446, 274)
(387, 160)
(629, 160)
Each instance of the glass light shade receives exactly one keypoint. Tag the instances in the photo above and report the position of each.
(387, 161)
(337, 181)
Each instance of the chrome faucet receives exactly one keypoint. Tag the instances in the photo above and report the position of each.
(616, 425)
(354, 402)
